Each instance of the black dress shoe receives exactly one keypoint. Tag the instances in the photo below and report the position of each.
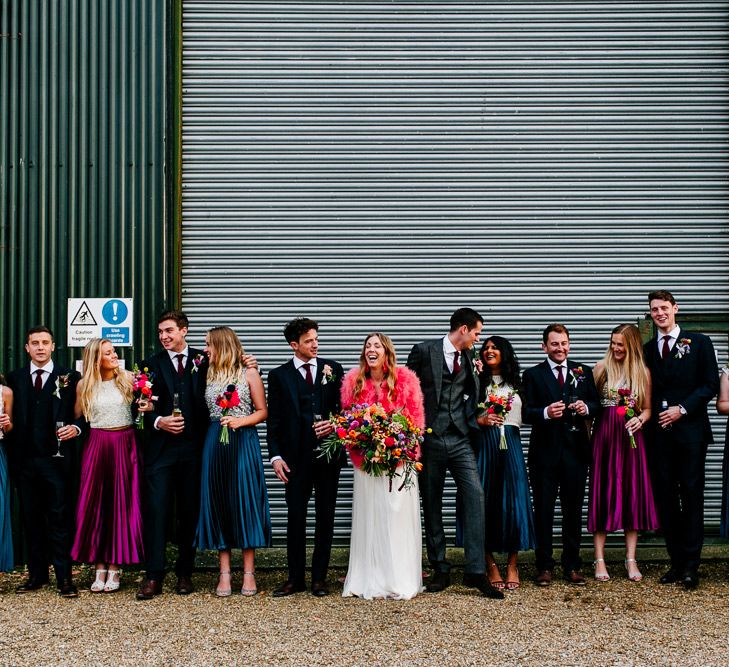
(670, 577)
(31, 584)
(288, 588)
(483, 584)
(574, 577)
(439, 582)
(690, 579)
(67, 589)
(319, 589)
(184, 586)
(148, 589)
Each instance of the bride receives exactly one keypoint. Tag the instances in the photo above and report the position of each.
(385, 555)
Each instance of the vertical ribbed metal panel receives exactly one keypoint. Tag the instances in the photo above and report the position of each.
(82, 95)
(375, 165)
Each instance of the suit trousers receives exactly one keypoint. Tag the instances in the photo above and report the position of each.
(174, 475)
(567, 480)
(322, 478)
(43, 490)
(452, 452)
(678, 484)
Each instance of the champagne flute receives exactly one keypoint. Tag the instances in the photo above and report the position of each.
(59, 426)
(573, 411)
(176, 409)
(317, 418)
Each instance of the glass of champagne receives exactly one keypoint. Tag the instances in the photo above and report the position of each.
(573, 411)
(176, 409)
(317, 418)
(59, 426)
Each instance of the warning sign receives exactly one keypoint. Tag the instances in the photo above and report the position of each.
(100, 318)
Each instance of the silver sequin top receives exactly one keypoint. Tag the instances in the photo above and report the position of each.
(108, 407)
(608, 396)
(213, 390)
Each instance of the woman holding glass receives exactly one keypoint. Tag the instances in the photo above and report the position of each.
(6, 425)
(234, 511)
(108, 515)
(620, 491)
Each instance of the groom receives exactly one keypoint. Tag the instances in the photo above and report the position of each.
(685, 375)
(450, 389)
(302, 393)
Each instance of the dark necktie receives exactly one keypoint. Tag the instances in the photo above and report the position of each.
(456, 365)
(665, 350)
(309, 379)
(180, 367)
(560, 375)
(38, 384)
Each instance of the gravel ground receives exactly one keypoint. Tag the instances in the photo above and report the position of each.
(613, 623)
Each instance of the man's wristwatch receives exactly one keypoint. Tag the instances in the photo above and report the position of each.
(682, 409)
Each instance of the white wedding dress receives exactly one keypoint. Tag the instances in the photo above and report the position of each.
(386, 549)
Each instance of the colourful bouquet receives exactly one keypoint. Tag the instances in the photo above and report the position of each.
(626, 401)
(142, 381)
(498, 404)
(225, 401)
(386, 440)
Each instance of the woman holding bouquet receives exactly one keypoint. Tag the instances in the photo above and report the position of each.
(234, 512)
(6, 425)
(108, 515)
(620, 492)
(385, 557)
(500, 459)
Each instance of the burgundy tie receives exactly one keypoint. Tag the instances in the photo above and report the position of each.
(180, 367)
(38, 384)
(665, 351)
(456, 365)
(560, 375)
(309, 378)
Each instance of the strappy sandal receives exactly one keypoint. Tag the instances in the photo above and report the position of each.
(600, 577)
(99, 582)
(219, 590)
(635, 577)
(499, 584)
(512, 584)
(112, 584)
(249, 592)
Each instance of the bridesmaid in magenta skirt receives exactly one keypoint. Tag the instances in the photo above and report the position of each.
(621, 496)
(108, 516)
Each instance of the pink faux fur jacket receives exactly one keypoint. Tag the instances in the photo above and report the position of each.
(409, 398)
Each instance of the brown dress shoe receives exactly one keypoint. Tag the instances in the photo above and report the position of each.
(288, 588)
(319, 589)
(148, 589)
(544, 578)
(184, 586)
(575, 578)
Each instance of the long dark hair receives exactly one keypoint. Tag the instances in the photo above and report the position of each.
(510, 371)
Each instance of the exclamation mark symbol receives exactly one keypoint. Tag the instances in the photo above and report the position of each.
(115, 308)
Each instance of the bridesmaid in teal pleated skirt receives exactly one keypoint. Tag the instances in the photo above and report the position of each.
(6, 536)
(234, 510)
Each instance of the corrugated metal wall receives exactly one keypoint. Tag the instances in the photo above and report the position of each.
(82, 150)
(375, 165)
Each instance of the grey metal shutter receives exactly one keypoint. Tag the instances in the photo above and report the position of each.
(376, 165)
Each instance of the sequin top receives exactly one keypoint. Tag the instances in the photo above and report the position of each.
(109, 409)
(609, 395)
(500, 388)
(213, 390)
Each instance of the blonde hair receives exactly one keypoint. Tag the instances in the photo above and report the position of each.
(633, 369)
(389, 367)
(92, 376)
(226, 365)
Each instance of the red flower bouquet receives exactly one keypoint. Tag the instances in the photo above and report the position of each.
(498, 404)
(225, 401)
(142, 381)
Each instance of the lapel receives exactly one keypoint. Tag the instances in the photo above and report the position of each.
(290, 373)
(437, 359)
(165, 367)
(191, 354)
(550, 382)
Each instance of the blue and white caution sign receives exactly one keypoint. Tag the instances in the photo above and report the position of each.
(100, 318)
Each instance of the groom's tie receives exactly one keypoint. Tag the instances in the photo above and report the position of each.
(560, 375)
(456, 365)
(665, 350)
(309, 378)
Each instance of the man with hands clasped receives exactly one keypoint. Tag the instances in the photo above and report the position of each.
(685, 378)
(560, 397)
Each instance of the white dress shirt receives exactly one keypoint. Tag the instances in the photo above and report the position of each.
(449, 352)
(47, 370)
(674, 334)
(173, 358)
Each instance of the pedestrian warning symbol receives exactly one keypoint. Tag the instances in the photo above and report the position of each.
(83, 317)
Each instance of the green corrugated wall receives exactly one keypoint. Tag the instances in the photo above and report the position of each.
(82, 165)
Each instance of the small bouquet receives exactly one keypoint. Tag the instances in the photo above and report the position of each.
(626, 401)
(386, 440)
(498, 404)
(225, 401)
(578, 375)
(142, 381)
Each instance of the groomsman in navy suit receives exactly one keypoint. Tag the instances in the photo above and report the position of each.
(302, 393)
(559, 455)
(685, 378)
(44, 395)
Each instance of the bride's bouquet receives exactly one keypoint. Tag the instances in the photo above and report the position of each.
(386, 441)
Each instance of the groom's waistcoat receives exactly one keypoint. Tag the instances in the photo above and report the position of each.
(452, 407)
(309, 404)
(40, 412)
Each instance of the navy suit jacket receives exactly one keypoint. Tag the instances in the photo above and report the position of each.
(691, 380)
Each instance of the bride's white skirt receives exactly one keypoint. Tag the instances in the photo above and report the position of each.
(386, 549)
